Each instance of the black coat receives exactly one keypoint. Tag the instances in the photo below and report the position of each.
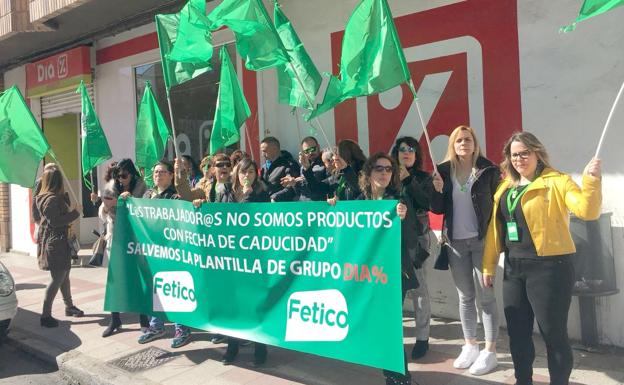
(310, 192)
(409, 243)
(416, 189)
(225, 194)
(169, 193)
(272, 177)
(53, 245)
(488, 177)
(343, 184)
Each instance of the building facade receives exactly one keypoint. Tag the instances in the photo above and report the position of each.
(500, 66)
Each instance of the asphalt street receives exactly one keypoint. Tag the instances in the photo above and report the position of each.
(19, 368)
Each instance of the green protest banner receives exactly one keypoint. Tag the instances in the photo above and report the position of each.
(309, 277)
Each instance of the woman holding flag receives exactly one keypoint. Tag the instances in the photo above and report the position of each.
(464, 188)
(530, 224)
(416, 186)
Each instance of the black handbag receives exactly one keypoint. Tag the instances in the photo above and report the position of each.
(442, 261)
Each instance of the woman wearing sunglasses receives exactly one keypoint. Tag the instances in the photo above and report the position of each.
(126, 182)
(246, 187)
(464, 190)
(204, 189)
(416, 186)
(379, 179)
(530, 224)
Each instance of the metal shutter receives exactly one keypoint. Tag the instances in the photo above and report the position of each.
(65, 103)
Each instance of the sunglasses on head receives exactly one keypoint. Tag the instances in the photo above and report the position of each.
(124, 175)
(380, 168)
(310, 150)
(407, 149)
(223, 164)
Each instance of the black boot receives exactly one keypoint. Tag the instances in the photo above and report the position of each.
(113, 326)
(420, 349)
(49, 322)
(73, 311)
(231, 352)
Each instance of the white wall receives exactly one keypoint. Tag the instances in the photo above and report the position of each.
(21, 239)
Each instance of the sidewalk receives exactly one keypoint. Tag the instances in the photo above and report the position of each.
(84, 357)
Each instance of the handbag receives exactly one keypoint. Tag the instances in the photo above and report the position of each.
(98, 251)
(74, 246)
(442, 261)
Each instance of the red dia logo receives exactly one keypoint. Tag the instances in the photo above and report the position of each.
(63, 67)
(464, 63)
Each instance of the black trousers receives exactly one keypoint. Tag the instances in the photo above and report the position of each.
(260, 350)
(539, 289)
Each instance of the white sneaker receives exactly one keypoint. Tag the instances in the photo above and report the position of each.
(485, 363)
(468, 355)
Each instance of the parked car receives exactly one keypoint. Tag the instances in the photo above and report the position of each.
(8, 300)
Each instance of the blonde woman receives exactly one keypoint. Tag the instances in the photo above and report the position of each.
(52, 244)
(463, 192)
(530, 223)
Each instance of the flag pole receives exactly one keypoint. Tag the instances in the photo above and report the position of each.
(248, 138)
(424, 126)
(606, 126)
(60, 167)
(173, 130)
(311, 102)
(298, 124)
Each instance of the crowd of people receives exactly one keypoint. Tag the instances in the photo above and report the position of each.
(520, 208)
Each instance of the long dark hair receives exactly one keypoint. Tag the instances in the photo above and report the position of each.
(127, 165)
(351, 152)
(195, 171)
(365, 183)
(244, 165)
(413, 143)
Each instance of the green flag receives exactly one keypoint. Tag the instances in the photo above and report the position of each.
(372, 58)
(175, 72)
(592, 8)
(232, 109)
(193, 42)
(22, 143)
(290, 90)
(152, 134)
(95, 149)
(257, 40)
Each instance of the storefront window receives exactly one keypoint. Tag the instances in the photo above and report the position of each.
(193, 104)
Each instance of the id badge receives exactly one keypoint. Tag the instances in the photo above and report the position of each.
(512, 231)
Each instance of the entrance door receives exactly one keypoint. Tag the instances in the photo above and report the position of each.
(63, 134)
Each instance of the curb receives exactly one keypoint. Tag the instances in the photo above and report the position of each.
(74, 367)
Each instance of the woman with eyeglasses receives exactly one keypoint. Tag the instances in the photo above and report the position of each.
(246, 187)
(164, 189)
(416, 186)
(530, 224)
(125, 182)
(378, 180)
(464, 192)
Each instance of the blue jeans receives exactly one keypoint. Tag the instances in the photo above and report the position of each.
(159, 324)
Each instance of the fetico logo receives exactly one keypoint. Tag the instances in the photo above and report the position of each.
(174, 291)
(320, 315)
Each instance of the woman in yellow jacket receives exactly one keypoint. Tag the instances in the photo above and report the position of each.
(530, 224)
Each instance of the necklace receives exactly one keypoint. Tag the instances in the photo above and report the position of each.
(463, 187)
